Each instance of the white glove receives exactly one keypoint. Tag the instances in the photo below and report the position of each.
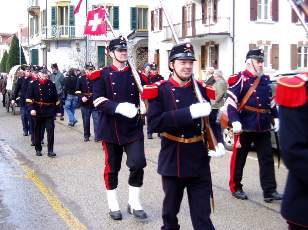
(33, 113)
(276, 125)
(200, 110)
(12, 102)
(219, 152)
(84, 99)
(237, 127)
(127, 109)
(143, 109)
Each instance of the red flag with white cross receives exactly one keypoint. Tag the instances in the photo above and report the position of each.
(96, 24)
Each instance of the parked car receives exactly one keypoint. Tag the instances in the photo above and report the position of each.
(228, 133)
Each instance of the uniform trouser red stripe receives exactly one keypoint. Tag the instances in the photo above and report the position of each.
(135, 161)
(232, 184)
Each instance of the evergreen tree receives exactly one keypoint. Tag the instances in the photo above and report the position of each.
(3, 62)
(13, 58)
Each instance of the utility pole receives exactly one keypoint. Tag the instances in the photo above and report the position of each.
(19, 42)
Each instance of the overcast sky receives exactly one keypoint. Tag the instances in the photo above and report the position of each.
(12, 13)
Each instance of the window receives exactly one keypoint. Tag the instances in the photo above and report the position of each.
(264, 7)
(139, 18)
(43, 21)
(62, 21)
(113, 16)
(189, 16)
(302, 57)
(213, 56)
(210, 10)
(156, 19)
(266, 50)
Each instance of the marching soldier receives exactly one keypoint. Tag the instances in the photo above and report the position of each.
(183, 160)
(252, 124)
(120, 128)
(20, 94)
(291, 95)
(42, 99)
(84, 89)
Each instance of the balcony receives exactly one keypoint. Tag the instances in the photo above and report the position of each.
(34, 10)
(200, 29)
(61, 32)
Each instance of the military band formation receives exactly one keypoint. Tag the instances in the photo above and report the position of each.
(111, 96)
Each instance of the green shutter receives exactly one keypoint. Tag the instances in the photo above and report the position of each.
(116, 17)
(133, 18)
(101, 56)
(53, 20)
(72, 21)
(34, 56)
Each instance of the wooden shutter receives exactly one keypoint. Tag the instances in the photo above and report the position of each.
(204, 57)
(34, 56)
(193, 19)
(253, 10)
(152, 20)
(216, 61)
(294, 17)
(53, 20)
(204, 11)
(252, 46)
(101, 56)
(294, 54)
(133, 18)
(184, 21)
(72, 21)
(160, 18)
(215, 8)
(275, 10)
(275, 56)
(116, 17)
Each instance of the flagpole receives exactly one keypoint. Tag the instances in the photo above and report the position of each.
(87, 45)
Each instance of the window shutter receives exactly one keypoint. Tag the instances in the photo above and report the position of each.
(203, 57)
(133, 18)
(215, 11)
(34, 56)
(252, 46)
(101, 56)
(216, 62)
(160, 18)
(116, 17)
(306, 16)
(193, 19)
(184, 25)
(204, 11)
(152, 20)
(275, 56)
(31, 27)
(275, 10)
(294, 17)
(294, 54)
(72, 21)
(53, 20)
(253, 10)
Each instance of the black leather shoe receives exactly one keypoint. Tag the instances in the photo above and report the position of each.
(150, 136)
(61, 118)
(25, 134)
(116, 215)
(32, 144)
(52, 154)
(240, 194)
(138, 214)
(38, 153)
(272, 197)
(86, 139)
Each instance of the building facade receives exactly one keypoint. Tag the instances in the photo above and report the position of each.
(56, 33)
(222, 31)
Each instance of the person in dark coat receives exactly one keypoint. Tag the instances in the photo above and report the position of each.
(183, 162)
(292, 98)
(120, 127)
(42, 99)
(71, 100)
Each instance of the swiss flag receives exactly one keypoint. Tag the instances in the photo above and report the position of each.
(96, 22)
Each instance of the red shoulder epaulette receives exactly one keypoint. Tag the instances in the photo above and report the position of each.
(95, 75)
(232, 79)
(144, 77)
(151, 91)
(291, 91)
(210, 92)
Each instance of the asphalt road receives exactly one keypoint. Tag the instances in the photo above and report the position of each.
(68, 192)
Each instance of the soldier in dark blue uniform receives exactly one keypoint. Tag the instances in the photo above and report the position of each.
(42, 98)
(253, 124)
(84, 89)
(120, 128)
(292, 98)
(20, 94)
(183, 160)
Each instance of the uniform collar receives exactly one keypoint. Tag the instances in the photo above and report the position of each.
(176, 84)
(114, 68)
(248, 73)
(42, 82)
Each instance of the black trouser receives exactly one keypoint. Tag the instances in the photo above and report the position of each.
(263, 145)
(86, 112)
(135, 161)
(296, 227)
(216, 126)
(47, 123)
(198, 191)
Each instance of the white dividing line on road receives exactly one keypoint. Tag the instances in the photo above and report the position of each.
(71, 221)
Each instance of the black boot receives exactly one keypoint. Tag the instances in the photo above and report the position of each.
(240, 194)
(38, 153)
(138, 214)
(150, 136)
(272, 197)
(115, 215)
(51, 154)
